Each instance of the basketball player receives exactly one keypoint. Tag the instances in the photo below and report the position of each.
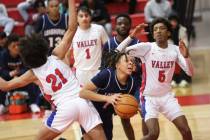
(58, 82)
(114, 79)
(159, 60)
(52, 25)
(87, 46)
(123, 26)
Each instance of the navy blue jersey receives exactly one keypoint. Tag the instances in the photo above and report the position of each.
(107, 83)
(112, 44)
(53, 31)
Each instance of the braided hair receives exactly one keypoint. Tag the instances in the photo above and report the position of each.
(111, 58)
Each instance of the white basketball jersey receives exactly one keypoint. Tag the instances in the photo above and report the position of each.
(87, 47)
(57, 80)
(158, 66)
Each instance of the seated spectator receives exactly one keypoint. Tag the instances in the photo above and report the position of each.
(5, 21)
(11, 67)
(23, 9)
(99, 14)
(39, 6)
(180, 78)
(155, 9)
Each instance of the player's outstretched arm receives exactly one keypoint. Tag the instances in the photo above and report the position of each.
(62, 48)
(137, 30)
(25, 79)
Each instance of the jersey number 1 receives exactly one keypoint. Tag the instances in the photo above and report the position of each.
(87, 53)
(52, 78)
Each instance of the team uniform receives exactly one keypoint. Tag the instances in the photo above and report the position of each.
(52, 31)
(62, 88)
(158, 68)
(87, 50)
(107, 83)
(111, 45)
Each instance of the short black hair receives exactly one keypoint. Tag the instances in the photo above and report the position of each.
(125, 16)
(160, 20)
(12, 38)
(84, 9)
(3, 35)
(33, 50)
(173, 17)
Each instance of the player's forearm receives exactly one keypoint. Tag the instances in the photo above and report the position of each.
(124, 44)
(190, 70)
(90, 95)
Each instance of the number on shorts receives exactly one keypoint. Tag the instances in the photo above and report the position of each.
(52, 78)
(162, 76)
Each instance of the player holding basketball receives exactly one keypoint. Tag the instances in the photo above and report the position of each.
(159, 60)
(123, 26)
(57, 80)
(115, 79)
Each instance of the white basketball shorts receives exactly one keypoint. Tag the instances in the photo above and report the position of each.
(167, 105)
(74, 110)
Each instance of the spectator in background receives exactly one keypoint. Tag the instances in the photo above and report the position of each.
(11, 67)
(52, 25)
(180, 78)
(155, 9)
(99, 14)
(23, 8)
(5, 21)
(39, 6)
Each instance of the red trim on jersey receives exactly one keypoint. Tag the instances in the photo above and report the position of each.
(143, 82)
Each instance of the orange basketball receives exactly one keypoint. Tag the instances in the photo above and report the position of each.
(127, 106)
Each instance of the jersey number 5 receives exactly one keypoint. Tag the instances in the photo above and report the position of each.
(162, 76)
(52, 78)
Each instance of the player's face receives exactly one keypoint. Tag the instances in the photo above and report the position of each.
(123, 26)
(160, 32)
(53, 7)
(174, 23)
(125, 65)
(83, 19)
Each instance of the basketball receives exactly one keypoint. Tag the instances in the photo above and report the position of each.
(127, 106)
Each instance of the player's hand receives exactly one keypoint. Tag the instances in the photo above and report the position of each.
(183, 49)
(113, 99)
(2, 84)
(138, 29)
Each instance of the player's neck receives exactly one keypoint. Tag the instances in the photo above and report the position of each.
(122, 78)
(54, 17)
(120, 38)
(162, 45)
(84, 27)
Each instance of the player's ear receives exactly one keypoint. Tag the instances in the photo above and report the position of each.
(169, 34)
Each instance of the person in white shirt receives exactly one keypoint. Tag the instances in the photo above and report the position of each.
(159, 60)
(87, 46)
(59, 84)
(5, 21)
